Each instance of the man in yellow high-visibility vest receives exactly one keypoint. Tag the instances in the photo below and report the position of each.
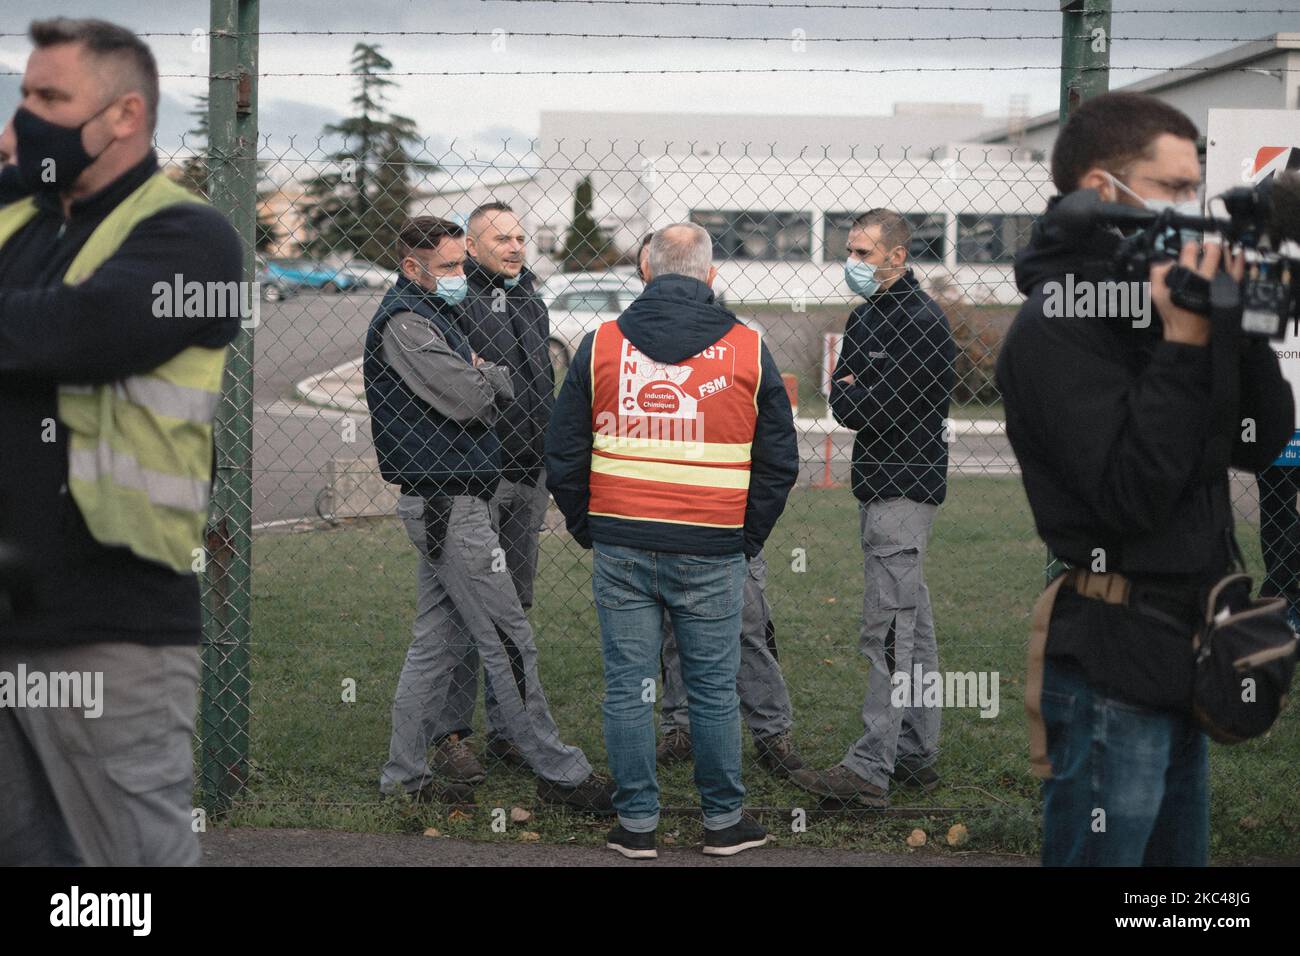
(108, 389)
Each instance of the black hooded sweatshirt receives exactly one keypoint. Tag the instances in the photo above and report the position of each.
(1111, 425)
(674, 318)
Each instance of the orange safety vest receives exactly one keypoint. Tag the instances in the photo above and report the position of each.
(672, 442)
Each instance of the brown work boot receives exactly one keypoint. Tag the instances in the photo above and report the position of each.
(503, 751)
(443, 791)
(454, 760)
(777, 755)
(593, 795)
(925, 778)
(674, 748)
(842, 785)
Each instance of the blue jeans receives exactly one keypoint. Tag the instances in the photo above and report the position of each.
(703, 594)
(1130, 785)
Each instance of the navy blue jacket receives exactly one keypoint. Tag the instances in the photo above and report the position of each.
(899, 348)
(674, 318)
(424, 452)
(509, 327)
(63, 585)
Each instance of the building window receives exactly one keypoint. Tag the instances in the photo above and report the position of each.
(754, 234)
(928, 241)
(547, 240)
(991, 238)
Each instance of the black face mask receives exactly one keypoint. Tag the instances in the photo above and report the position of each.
(12, 185)
(51, 157)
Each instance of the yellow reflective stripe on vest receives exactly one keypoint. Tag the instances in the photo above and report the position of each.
(139, 449)
(671, 472)
(676, 450)
(14, 216)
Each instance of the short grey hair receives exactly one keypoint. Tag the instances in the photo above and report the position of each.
(684, 249)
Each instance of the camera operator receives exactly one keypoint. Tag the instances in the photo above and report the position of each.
(1113, 421)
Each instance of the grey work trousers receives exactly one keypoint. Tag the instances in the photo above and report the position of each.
(897, 637)
(107, 790)
(520, 510)
(468, 611)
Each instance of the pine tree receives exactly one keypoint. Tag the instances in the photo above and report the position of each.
(194, 171)
(358, 208)
(585, 245)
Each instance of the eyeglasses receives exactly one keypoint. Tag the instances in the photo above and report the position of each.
(1180, 190)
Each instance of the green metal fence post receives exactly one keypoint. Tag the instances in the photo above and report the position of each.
(1085, 73)
(232, 187)
(1085, 52)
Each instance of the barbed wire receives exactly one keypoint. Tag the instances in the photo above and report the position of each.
(866, 6)
(549, 34)
(851, 70)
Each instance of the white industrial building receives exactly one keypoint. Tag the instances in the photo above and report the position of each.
(1261, 75)
(778, 192)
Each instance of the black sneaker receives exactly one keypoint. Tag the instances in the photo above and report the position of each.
(634, 846)
(924, 778)
(744, 835)
(593, 795)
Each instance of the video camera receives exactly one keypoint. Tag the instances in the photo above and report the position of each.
(1261, 219)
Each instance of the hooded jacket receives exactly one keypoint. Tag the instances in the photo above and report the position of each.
(674, 318)
(1110, 422)
(1112, 427)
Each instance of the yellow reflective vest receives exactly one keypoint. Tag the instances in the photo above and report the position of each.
(140, 448)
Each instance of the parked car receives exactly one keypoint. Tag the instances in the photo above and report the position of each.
(309, 274)
(580, 302)
(363, 273)
(271, 287)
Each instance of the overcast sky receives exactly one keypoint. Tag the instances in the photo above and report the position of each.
(487, 108)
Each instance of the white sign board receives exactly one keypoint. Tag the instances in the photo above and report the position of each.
(1245, 147)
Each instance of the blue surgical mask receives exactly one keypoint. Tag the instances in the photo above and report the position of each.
(1189, 207)
(861, 277)
(451, 289)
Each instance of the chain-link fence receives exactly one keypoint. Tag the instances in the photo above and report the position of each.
(341, 573)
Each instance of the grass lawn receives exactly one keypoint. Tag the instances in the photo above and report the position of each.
(332, 605)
